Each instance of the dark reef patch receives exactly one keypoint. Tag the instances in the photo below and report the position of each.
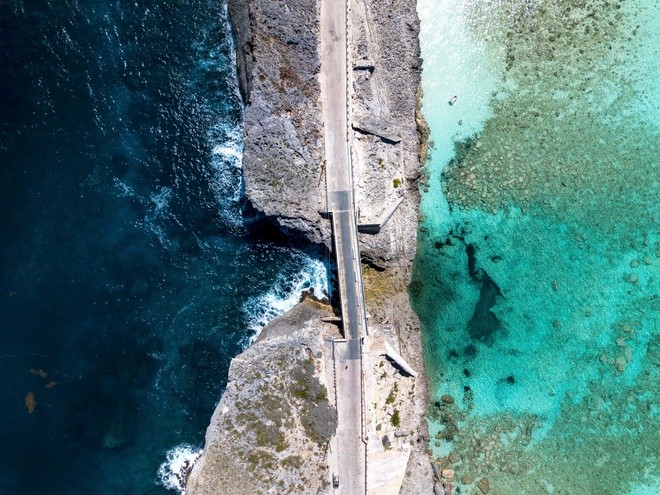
(475, 274)
(484, 324)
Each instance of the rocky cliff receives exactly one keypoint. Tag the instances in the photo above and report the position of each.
(270, 430)
(278, 65)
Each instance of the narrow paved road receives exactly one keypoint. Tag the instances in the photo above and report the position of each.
(333, 95)
(351, 450)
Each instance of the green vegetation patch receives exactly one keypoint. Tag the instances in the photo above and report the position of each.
(392, 397)
(395, 420)
(305, 385)
(318, 418)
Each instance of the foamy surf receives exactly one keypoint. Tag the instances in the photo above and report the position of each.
(286, 293)
(225, 135)
(233, 152)
(173, 473)
(226, 161)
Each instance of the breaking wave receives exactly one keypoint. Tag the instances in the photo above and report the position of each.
(173, 473)
(287, 291)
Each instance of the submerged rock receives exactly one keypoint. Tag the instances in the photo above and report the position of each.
(30, 402)
(484, 486)
(448, 474)
(484, 324)
(120, 430)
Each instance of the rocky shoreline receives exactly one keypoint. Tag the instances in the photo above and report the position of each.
(269, 432)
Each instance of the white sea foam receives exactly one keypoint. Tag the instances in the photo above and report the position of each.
(225, 136)
(225, 139)
(160, 202)
(125, 191)
(226, 160)
(233, 152)
(286, 293)
(173, 472)
(161, 198)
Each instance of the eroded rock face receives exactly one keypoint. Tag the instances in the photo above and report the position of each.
(278, 65)
(270, 430)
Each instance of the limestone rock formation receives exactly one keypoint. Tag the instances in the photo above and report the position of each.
(384, 105)
(269, 432)
(278, 59)
(278, 65)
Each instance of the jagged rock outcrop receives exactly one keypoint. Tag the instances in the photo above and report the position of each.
(386, 162)
(269, 432)
(278, 65)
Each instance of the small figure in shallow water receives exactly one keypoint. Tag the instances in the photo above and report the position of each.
(453, 100)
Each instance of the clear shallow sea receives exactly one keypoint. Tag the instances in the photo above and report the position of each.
(538, 271)
(130, 270)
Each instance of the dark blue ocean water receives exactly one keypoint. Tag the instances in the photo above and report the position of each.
(126, 269)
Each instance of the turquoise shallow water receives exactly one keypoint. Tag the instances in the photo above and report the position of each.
(536, 280)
